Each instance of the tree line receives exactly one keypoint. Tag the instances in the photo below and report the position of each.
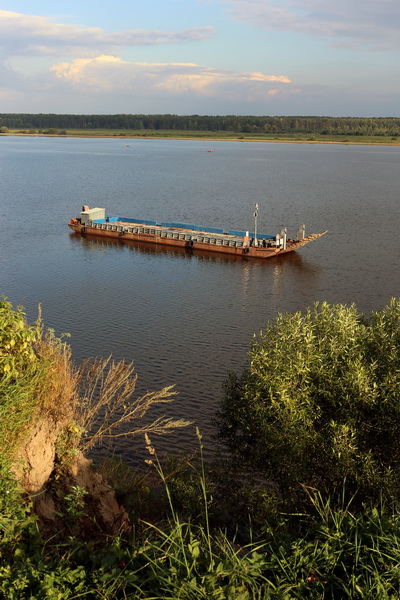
(388, 126)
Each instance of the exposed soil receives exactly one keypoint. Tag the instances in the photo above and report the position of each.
(36, 473)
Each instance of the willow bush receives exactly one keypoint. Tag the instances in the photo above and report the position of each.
(319, 404)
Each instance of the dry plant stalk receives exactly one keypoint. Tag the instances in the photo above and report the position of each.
(105, 403)
(57, 394)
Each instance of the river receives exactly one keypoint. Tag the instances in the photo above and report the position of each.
(187, 318)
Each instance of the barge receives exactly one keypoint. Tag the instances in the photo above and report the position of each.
(94, 221)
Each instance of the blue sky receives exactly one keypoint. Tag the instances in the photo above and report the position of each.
(215, 57)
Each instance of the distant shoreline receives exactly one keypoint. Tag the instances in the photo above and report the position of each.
(127, 136)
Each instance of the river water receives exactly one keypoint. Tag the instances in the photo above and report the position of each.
(187, 319)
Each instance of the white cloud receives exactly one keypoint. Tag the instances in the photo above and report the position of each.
(351, 23)
(37, 35)
(86, 64)
(112, 74)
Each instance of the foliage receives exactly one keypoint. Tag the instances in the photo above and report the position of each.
(138, 490)
(16, 342)
(254, 125)
(242, 505)
(328, 378)
(342, 553)
(37, 380)
(319, 403)
(15, 517)
(35, 377)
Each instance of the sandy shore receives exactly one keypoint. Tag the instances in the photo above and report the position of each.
(126, 137)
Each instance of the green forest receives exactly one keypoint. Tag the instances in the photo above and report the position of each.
(349, 126)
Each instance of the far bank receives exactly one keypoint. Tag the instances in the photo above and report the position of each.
(209, 136)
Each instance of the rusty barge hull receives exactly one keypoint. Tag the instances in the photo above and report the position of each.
(126, 230)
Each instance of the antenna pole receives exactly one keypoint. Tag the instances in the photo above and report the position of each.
(255, 224)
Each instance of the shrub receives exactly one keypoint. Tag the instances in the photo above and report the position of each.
(319, 403)
(30, 361)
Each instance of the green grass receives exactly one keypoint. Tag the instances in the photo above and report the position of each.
(196, 534)
(35, 378)
(225, 135)
(325, 553)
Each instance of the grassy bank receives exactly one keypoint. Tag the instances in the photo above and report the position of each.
(324, 554)
(195, 531)
(212, 136)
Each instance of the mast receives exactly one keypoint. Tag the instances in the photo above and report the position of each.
(255, 224)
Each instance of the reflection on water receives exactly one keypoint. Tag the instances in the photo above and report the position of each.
(186, 317)
(280, 264)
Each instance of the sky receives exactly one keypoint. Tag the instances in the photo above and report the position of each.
(338, 58)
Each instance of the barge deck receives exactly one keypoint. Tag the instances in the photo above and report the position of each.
(240, 243)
